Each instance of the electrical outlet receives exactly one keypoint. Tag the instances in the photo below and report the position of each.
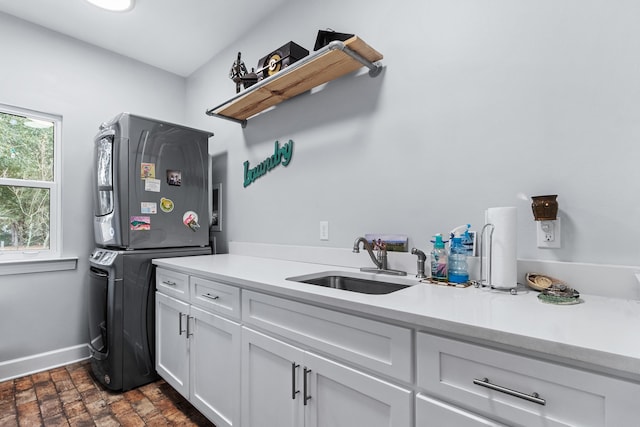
(548, 233)
(324, 230)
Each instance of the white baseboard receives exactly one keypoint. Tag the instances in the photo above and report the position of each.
(41, 362)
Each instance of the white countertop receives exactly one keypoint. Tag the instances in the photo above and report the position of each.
(600, 333)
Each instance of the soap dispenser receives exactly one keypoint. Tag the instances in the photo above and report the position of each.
(439, 267)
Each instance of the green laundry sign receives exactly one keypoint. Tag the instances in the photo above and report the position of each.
(281, 156)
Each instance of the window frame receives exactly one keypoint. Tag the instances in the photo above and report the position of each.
(55, 201)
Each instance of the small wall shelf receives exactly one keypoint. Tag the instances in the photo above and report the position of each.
(329, 63)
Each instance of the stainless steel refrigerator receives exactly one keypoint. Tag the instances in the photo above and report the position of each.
(151, 201)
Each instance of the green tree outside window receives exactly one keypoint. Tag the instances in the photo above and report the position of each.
(26, 175)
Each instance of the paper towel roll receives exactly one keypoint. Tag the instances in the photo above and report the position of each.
(504, 245)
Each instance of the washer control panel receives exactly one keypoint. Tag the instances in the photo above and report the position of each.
(103, 256)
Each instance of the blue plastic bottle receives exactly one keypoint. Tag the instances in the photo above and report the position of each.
(439, 267)
(458, 272)
(467, 240)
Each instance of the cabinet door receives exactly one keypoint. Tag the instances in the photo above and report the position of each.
(433, 413)
(271, 381)
(172, 354)
(339, 396)
(214, 357)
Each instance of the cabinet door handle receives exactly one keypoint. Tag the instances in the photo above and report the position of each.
(294, 369)
(306, 385)
(180, 330)
(212, 297)
(533, 397)
(169, 283)
(189, 332)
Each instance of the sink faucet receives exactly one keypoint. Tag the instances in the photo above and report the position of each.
(421, 259)
(380, 259)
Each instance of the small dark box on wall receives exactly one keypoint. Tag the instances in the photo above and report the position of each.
(280, 59)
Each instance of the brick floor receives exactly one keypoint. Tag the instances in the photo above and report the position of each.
(69, 396)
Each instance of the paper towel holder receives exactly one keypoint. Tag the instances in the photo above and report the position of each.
(545, 208)
(486, 282)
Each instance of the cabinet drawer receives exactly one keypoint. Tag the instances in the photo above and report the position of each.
(520, 390)
(172, 283)
(375, 345)
(435, 413)
(215, 297)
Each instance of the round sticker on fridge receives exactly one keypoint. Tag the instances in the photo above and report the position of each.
(166, 205)
(190, 219)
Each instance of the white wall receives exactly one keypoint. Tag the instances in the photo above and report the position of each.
(44, 71)
(480, 103)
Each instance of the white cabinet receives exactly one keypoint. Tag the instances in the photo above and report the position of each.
(271, 382)
(172, 283)
(214, 359)
(215, 297)
(519, 390)
(373, 345)
(197, 351)
(340, 396)
(172, 350)
(286, 386)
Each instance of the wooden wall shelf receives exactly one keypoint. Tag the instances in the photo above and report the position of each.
(329, 63)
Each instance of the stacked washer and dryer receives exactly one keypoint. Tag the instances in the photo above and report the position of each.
(151, 200)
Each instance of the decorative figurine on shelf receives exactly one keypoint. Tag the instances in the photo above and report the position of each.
(238, 70)
(249, 79)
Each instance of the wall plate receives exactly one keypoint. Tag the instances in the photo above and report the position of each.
(548, 234)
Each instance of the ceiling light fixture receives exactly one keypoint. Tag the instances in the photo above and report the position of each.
(114, 5)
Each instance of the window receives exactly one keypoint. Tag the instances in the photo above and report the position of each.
(29, 184)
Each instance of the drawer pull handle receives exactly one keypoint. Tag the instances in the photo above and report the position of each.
(211, 297)
(534, 397)
(169, 283)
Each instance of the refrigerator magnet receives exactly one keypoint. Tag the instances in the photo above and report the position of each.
(166, 205)
(174, 177)
(148, 207)
(190, 219)
(140, 223)
(147, 170)
(152, 184)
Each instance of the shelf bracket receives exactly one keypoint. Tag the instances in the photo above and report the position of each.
(243, 122)
(374, 67)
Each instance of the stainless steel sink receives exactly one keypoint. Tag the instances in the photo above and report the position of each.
(354, 282)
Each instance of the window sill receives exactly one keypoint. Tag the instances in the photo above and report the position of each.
(37, 265)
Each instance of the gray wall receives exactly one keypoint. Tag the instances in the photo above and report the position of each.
(482, 103)
(47, 72)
